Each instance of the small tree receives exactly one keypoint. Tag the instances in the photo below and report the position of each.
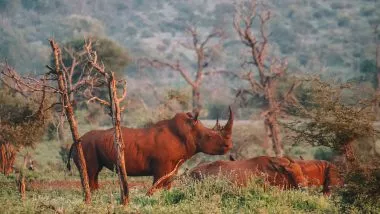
(337, 117)
(21, 125)
(115, 112)
(112, 54)
(268, 69)
(330, 121)
(377, 55)
(203, 51)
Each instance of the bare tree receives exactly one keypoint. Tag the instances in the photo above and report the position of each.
(56, 81)
(115, 111)
(377, 43)
(269, 69)
(202, 50)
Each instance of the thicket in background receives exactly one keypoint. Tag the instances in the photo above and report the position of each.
(339, 117)
(21, 124)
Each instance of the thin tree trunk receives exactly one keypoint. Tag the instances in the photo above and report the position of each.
(118, 141)
(72, 122)
(378, 81)
(3, 159)
(197, 107)
(8, 157)
(21, 178)
(11, 157)
(275, 135)
(271, 118)
(61, 129)
(267, 139)
(21, 185)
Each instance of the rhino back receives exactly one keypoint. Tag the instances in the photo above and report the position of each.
(143, 148)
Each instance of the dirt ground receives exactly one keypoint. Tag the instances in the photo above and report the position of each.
(69, 184)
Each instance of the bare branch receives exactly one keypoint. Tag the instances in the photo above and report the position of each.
(101, 101)
(215, 34)
(124, 84)
(24, 84)
(222, 72)
(155, 63)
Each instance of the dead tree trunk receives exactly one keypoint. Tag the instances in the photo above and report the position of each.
(7, 158)
(61, 129)
(118, 139)
(21, 178)
(271, 118)
(269, 69)
(115, 113)
(378, 80)
(65, 98)
(196, 99)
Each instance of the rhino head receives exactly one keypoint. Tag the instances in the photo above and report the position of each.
(213, 141)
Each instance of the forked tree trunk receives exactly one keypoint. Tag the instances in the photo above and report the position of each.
(72, 122)
(118, 140)
(7, 158)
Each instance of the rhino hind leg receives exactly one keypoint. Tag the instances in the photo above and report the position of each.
(93, 178)
(93, 170)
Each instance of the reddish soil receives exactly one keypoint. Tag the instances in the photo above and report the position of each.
(65, 184)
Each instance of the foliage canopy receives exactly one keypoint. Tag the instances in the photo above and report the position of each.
(330, 117)
(20, 125)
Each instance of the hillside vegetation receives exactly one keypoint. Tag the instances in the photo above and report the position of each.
(331, 36)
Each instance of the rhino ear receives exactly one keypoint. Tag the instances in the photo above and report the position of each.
(193, 118)
(189, 114)
(289, 159)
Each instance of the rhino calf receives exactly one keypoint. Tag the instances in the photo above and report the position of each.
(282, 172)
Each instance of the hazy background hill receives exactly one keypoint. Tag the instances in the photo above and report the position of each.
(331, 37)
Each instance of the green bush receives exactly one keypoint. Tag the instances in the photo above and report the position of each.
(42, 6)
(367, 10)
(216, 110)
(337, 5)
(324, 153)
(173, 197)
(361, 192)
(343, 21)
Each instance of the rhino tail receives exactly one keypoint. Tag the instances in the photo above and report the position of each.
(68, 165)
